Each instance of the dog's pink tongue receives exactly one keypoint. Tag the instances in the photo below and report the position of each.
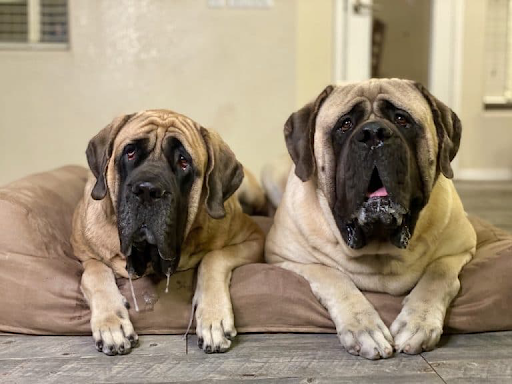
(378, 193)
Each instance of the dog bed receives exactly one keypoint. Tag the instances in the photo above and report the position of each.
(40, 277)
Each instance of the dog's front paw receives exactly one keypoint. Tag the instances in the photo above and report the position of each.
(215, 325)
(366, 335)
(113, 331)
(417, 329)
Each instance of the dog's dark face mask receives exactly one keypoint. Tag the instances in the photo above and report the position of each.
(152, 205)
(378, 187)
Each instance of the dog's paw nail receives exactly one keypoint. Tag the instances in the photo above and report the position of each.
(109, 350)
(133, 341)
(99, 345)
(208, 349)
(200, 342)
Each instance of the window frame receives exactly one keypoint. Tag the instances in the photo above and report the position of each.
(503, 101)
(34, 31)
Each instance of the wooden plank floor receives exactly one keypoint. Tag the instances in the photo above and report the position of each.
(490, 200)
(282, 358)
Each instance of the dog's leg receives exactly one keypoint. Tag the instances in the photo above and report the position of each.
(419, 325)
(111, 327)
(215, 325)
(359, 326)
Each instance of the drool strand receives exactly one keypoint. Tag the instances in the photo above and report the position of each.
(133, 294)
(168, 274)
(192, 311)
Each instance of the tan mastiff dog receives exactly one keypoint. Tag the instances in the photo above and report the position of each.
(369, 206)
(160, 199)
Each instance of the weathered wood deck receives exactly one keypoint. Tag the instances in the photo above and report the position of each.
(283, 358)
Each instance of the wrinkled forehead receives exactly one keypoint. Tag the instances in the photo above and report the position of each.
(401, 93)
(156, 127)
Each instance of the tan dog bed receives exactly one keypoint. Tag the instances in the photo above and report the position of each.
(40, 277)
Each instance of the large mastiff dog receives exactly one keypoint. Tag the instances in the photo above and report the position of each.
(160, 199)
(369, 206)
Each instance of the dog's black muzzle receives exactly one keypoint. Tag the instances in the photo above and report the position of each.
(377, 183)
(149, 220)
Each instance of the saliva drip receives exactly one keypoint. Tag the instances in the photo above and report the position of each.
(133, 293)
(168, 274)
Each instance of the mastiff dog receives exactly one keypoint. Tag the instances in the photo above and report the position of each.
(160, 199)
(369, 205)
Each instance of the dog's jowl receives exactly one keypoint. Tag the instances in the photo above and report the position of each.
(369, 205)
(160, 199)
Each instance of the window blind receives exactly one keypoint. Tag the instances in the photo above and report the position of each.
(498, 64)
(54, 21)
(13, 21)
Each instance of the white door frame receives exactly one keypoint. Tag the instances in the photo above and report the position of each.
(357, 66)
(446, 50)
(446, 55)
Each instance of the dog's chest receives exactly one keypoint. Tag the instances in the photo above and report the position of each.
(394, 273)
(378, 266)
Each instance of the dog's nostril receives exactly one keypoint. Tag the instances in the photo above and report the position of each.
(156, 193)
(364, 136)
(147, 191)
(384, 133)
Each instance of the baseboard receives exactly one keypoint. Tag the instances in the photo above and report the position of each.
(484, 174)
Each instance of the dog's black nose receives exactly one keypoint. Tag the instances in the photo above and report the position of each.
(373, 134)
(147, 191)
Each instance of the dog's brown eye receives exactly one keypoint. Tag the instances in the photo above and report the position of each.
(182, 162)
(401, 120)
(346, 124)
(130, 151)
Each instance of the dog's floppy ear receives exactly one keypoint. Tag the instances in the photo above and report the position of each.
(99, 151)
(448, 128)
(224, 173)
(299, 132)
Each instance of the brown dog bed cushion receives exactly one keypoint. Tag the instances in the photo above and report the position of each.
(40, 277)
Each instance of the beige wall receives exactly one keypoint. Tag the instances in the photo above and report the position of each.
(232, 70)
(314, 63)
(486, 148)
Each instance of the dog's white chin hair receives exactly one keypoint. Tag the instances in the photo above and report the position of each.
(376, 209)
